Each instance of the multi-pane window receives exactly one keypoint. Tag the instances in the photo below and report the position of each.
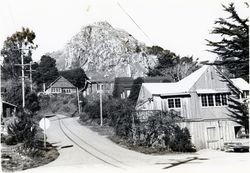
(213, 100)
(204, 100)
(217, 99)
(55, 90)
(171, 103)
(224, 99)
(66, 91)
(177, 103)
(174, 103)
(210, 100)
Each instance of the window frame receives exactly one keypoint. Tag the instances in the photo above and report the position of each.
(205, 99)
(173, 102)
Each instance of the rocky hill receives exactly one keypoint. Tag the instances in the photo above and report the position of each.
(105, 53)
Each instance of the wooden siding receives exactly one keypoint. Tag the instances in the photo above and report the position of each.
(223, 131)
(211, 79)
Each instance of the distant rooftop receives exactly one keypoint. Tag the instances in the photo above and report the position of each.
(241, 84)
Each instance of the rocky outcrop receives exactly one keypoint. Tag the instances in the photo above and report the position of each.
(105, 53)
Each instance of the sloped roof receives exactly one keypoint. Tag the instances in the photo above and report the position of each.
(182, 86)
(161, 88)
(61, 82)
(240, 84)
(191, 79)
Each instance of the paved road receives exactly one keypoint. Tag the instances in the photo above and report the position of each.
(91, 152)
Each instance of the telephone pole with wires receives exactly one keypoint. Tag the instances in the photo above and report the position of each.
(23, 77)
(30, 71)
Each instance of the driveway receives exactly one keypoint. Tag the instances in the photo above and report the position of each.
(85, 150)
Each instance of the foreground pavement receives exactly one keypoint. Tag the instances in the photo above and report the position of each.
(82, 150)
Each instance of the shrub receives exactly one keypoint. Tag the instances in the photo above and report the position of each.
(22, 129)
(163, 132)
(10, 140)
(182, 140)
(32, 103)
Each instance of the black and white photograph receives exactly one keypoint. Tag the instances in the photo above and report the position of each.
(130, 86)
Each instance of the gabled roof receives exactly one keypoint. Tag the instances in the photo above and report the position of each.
(241, 84)
(182, 86)
(61, 82)
(191, 79)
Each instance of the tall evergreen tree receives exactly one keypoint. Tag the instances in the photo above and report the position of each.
(233, 48)
(18, 43)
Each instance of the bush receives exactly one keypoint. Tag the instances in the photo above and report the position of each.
(10, 140)
(182, 140)
(22, 129)
(59, 103)
(161, 131)
(32, 103)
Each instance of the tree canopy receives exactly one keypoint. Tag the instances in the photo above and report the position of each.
(233, 54)
(46, 71)
(233, 47)
(171, 65)
(76, 76)
(21, 42)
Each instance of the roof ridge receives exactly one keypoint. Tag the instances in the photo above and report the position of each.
(191, 79)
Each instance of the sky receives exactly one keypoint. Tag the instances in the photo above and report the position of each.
(180, 26)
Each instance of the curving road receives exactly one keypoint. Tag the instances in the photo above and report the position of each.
(91, 152)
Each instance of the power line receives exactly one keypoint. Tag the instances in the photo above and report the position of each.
(134, 22)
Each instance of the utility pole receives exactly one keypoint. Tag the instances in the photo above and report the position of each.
(1, 103)
(78, 100)
(101, 104)
(30, 70)
(23, 91)
(23, 77)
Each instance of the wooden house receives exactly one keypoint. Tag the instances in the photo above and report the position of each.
(201, 99)
(61, 85)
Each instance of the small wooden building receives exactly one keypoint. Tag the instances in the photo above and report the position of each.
(8, 112)
(202, 100)
(61, 85)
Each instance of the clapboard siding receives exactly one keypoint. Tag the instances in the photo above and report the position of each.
(224, 131)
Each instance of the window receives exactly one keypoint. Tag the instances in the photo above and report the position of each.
(213, 100)
(123, 95)
(55, 90)
(128, 93)
(177, 103)
(174, 103)
(217, 100)
(210, 100)
(204, 100)
(99, 86)
(171, 103)
(66, 91)
(224, 99)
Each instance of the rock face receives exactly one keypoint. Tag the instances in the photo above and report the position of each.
(105, 53)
